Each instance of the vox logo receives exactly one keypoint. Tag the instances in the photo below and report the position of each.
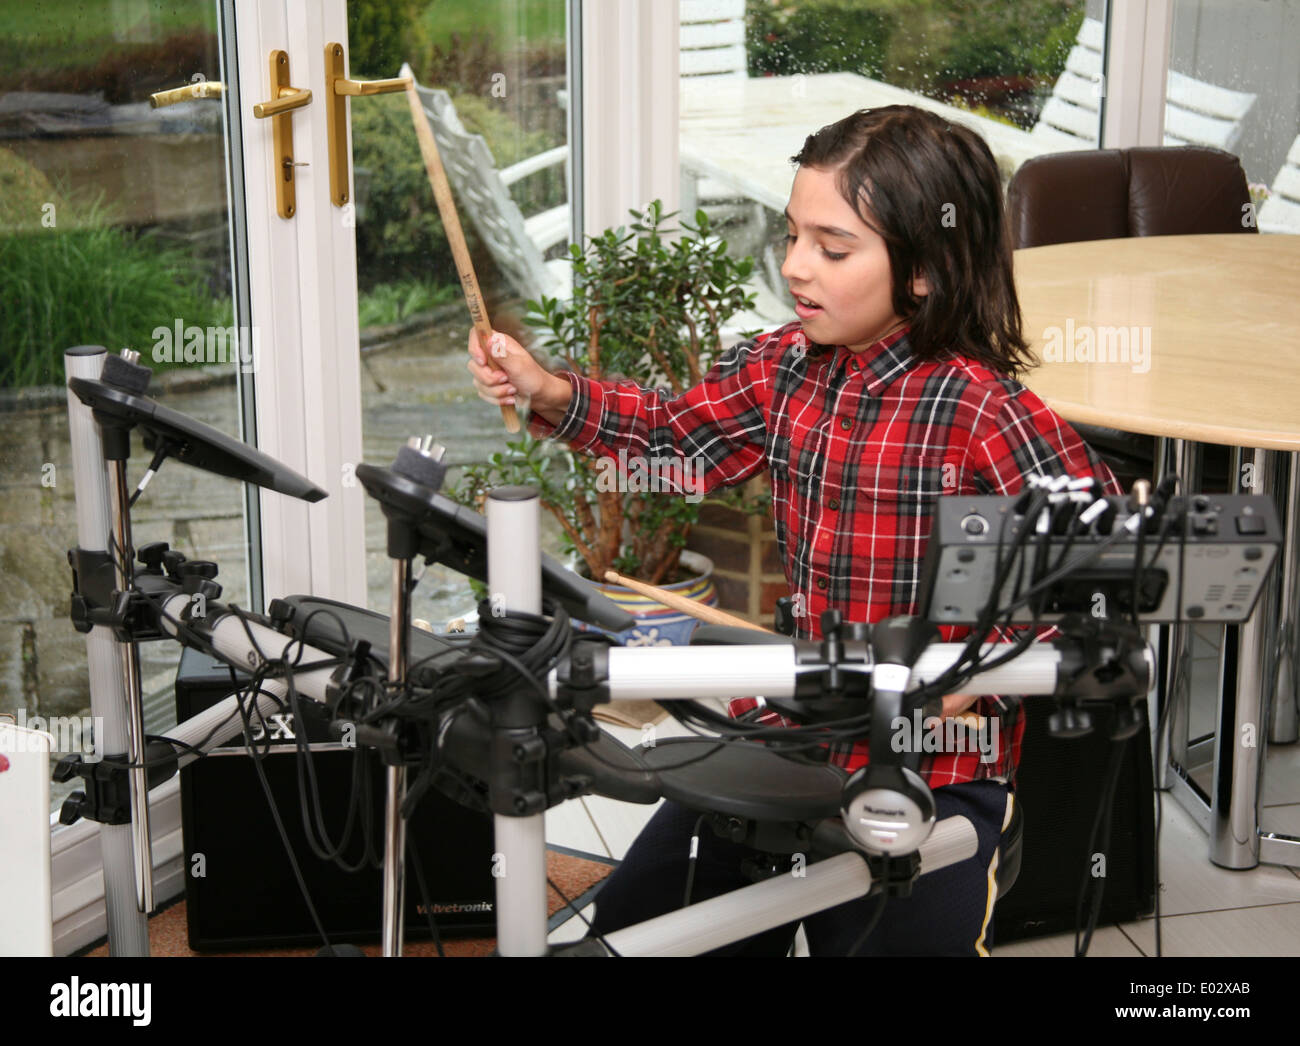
(280, 728)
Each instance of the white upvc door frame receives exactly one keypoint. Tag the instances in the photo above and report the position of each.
(630, 109)
(303, 289)
(1138, 35)
(302, 304)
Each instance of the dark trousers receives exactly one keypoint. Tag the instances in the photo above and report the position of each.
(948, 913)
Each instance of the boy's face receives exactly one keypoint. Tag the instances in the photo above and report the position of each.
(836, 266)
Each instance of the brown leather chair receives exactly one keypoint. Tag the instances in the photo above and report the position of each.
(1106, 194)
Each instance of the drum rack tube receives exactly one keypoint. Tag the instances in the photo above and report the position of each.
(126, 889)
(669, 673)
(515, 583)
(228, 637)
(782, 899)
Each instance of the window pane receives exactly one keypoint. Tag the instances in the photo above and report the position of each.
(758, 76)
(492, 77)
(114, 231)
(1233, 71)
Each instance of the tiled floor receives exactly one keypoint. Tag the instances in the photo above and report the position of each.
(1206, 910)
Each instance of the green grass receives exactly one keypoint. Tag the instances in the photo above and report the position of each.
(393, 302)
(74, 33)
(95, 284)
(511, 21)
(69, 34)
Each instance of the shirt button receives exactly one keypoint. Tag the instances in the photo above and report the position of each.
(834, 504)
(845, 423)
(821, 582)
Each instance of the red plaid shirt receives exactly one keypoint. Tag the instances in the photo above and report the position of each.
(859, 447)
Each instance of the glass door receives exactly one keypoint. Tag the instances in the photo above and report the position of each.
(120, 226)
(756, 78)
(493, 82)
(143, 206)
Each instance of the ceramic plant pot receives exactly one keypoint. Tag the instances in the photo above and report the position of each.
(658, 625)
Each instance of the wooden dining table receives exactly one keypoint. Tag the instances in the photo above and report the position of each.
(1218, 316)
(1197, 339)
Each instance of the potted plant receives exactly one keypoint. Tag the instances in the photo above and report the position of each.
(648, 306)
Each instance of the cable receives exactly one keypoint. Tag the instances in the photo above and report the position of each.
(1138, 569)
(159, 456)
(1180, 674)
(279, 824)
(874, 921)
(691, 860)
(971, 656)
(360, 806)
(413, 852)
(573, 908)
(1101, 827)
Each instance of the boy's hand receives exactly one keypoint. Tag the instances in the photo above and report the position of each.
(520, 376)
(954, 704)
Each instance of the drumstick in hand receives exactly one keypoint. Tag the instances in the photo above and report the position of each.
(455, 237)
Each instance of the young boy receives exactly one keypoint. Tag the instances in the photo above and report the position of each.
(895, 387)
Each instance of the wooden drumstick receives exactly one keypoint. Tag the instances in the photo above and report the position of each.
(456, 237)
(694, 607)
(713, 616)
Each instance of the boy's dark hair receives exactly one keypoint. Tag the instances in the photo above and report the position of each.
(931, 189)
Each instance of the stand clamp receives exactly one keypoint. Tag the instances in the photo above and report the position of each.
(583, 677)
(1103, 662)
(894, 874)
(130, 615)
(107, 794)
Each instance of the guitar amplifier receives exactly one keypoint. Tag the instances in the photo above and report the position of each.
(240, 890)
(1059, 786)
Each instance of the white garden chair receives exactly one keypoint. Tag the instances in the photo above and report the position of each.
(1281, 211)
(711, 39)
(1196, 112)
(519, 244)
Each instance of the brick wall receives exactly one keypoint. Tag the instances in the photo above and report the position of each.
(746, 566)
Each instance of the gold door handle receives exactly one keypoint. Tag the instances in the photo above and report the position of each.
(284, 100)
(188, 93)
(338, 88)
(352, 88)
(290, 98)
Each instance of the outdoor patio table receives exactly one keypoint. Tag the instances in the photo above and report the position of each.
(1196, 338)
(743, 131)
